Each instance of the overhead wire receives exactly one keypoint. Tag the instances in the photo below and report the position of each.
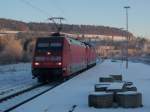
(39, 10)
(58, 7)
(35, 7)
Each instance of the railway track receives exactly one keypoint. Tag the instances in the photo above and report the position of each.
(17, 99)
(11, 92)
(7, 91)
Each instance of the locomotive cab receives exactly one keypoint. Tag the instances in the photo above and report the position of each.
(47, 60)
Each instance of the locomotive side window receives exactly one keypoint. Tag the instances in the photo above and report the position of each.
(73, 41)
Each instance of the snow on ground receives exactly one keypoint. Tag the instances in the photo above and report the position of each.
(76, 90)
(15, 75)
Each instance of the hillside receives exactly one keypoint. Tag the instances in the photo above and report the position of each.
(8, 24)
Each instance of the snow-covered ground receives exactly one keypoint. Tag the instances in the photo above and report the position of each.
(76, 90)
(15, 75)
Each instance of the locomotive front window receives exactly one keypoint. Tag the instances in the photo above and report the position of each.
(42, 45)
(46, 45)
(49, 44)
(56, 44)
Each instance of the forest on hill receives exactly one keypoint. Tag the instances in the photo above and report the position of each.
(8, 24)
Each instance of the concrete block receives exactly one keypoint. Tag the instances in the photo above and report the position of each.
(116, 87)
(130, 88)
(127, 83)
(105, 79)
(100, 99)
(116, 77)
(101, 87)
(130, 99)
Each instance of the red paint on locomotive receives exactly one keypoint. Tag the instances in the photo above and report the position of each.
(59, 56)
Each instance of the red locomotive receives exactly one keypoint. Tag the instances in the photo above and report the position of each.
(60, 56)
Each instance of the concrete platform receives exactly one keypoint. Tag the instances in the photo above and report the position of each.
(77, 90)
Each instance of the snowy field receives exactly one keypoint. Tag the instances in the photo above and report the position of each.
(76, 90)
(15, 75)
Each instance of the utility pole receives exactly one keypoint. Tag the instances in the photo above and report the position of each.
(127, 34)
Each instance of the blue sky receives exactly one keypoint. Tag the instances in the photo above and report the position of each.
(93, 12)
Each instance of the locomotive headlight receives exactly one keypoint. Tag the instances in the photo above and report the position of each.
(59, 63)
(36, 63)
(48, 53)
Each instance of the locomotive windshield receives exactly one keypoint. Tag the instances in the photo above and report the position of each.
(51, 43)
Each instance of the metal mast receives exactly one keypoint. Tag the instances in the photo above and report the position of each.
(126, 8)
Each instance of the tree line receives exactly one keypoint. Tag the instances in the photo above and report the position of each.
(8, 24)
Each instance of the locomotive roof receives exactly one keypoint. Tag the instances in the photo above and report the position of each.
(57, 34)
(69, 38)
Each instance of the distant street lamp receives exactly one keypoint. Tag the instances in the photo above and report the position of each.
(126, 8)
